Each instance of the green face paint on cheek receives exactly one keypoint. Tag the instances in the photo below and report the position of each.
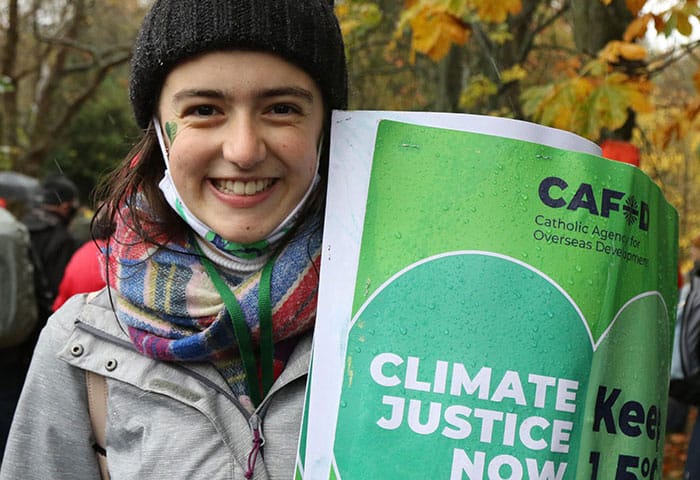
(171, 130)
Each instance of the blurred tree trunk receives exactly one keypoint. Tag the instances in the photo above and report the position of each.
(596, 24)
(495, 58)
(8, 130)
(450, 81)
(55, 55)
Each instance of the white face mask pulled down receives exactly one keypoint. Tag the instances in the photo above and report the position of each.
(237, 251)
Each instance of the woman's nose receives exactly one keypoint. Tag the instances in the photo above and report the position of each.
(243, 143)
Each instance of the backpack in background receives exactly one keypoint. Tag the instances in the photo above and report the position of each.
(685, 363)
(18, 311)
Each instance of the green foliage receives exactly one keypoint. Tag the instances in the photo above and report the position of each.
(500, 34)
(58, 55)
(6, 84)
(380, 76)
(358, 18)
(5, 157)
(99, 137)
(606, 107)
(479, 87)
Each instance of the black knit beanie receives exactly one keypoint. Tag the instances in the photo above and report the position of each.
(303, 32)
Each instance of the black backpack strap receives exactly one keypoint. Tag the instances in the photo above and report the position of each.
(44, 295)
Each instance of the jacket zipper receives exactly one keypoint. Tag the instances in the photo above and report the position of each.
(258, 441)
(255, 423)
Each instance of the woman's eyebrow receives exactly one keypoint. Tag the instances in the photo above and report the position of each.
(299, 92)
(196, 92)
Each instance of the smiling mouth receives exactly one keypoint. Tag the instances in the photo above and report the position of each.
(239, 187)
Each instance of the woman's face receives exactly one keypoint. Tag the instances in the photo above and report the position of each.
(242, 131)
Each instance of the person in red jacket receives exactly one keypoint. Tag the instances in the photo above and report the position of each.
(83, 271)
(82, 274)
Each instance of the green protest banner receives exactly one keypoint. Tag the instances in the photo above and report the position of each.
(509, 312)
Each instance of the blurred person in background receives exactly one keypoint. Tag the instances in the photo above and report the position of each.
(52, 243)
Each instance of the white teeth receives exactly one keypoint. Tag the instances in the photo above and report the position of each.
(251, 188)
(238, 187)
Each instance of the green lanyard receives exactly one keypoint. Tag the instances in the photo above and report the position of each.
(240, 327)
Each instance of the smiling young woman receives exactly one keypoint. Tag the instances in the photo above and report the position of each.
(244, 131)
(203, 333)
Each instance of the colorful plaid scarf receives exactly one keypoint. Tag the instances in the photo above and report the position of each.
(174, 313)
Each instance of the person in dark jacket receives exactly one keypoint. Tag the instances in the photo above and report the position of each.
(692, 465)
(51, 247)
(682, 393)
(53, 244)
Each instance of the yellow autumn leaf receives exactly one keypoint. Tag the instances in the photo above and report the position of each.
(435, 30)
(588, 104)
(696, 80)
(683, 24)
(513, 74)
(605, 107)
(500, 37)
(606, 2)
(582, 86)
(610, 52)
(568, 66)
(632, 51)
(615, 49)
(637, 28)
(640, 102)
(533, 99)
(557, 105)
(568, 115)
(496, 11)
(479, 88)
(347, 23)
(644, 85)
(635, 6)
(352, 17)
(342, 10)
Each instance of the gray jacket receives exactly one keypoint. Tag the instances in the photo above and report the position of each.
(164, 420)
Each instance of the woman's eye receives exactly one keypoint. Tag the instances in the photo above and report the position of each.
(203, 110)
(283, 109)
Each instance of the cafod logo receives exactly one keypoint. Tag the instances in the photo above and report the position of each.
(555, 192)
